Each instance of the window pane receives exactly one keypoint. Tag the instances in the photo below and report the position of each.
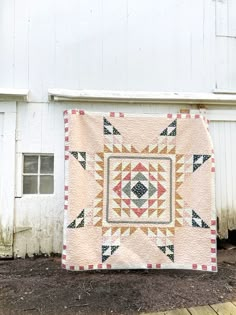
(30, 164)
(30, 184)
(46, 184)
(47, 164)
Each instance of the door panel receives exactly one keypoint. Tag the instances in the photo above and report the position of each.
(7, 181)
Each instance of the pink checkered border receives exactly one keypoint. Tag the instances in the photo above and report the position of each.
(213, 161)
(83, 112)
(185, 116)
(113, 114)
(66, 142)
(199, 267)
(121, 114)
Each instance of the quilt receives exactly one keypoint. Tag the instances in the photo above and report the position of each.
(139, 192)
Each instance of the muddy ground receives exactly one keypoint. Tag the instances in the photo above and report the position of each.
(40, 286)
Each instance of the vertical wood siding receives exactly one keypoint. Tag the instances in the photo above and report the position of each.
(7, 176)
(159, 45)
(224, 135)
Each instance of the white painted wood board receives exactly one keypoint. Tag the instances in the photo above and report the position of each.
(7, 177)
(120, 45)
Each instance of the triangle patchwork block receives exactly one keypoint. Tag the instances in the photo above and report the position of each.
(170, 130)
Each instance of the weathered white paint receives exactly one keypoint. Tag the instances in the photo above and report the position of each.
(7, 176)
(138, 97)
(218, 91)
(225, 18)
(187, 46)
(154, 45)
(225, 44)
(224, 135)
(13, 94)
(146, 45)
(38, 218)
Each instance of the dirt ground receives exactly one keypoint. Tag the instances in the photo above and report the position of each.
(40, 286)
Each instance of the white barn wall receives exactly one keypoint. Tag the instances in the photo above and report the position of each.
(224, 135)
(184, 45)
(38, 218)
(102, 44)
(146, 45)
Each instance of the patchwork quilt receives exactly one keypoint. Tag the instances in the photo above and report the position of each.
(139, 192)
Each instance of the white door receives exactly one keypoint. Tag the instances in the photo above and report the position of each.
(7, 177)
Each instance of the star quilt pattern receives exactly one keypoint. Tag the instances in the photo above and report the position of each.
(139, 192)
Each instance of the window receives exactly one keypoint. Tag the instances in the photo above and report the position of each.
(38, 174)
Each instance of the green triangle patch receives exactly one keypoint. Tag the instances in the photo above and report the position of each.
(151, 190)
(139, 202)
(140, 176)
(127, 189)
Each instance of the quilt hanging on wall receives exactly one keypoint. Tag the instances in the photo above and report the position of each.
(139, 192)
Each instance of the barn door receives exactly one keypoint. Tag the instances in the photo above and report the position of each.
(7, 180)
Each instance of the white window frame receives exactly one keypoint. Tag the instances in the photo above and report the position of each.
(37, 174)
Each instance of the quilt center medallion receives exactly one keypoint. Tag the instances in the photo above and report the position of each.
(139, 189)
